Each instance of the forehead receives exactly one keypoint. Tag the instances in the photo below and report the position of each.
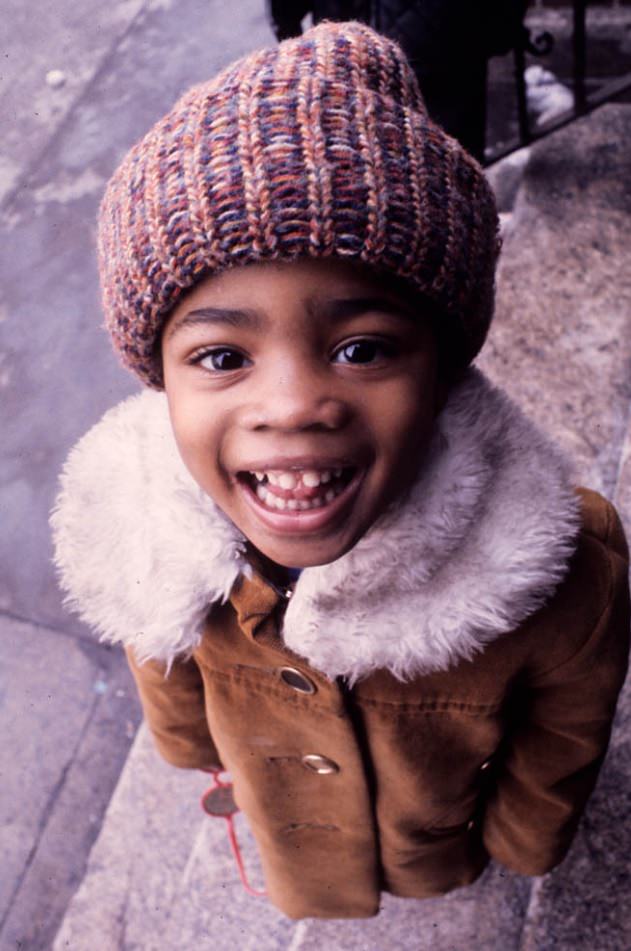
(249, 295)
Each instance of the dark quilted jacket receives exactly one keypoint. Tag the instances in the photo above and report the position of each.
(448, 43)
(434, 32)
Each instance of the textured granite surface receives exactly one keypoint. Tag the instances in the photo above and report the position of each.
(486, 916)
(35, 42)
(561, 345)
(162, 875)
(561, 340)
(28, 674)
(68, 716)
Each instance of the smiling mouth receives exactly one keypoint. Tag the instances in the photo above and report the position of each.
(295, 491)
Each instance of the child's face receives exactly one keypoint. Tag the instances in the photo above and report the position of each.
(297, 371)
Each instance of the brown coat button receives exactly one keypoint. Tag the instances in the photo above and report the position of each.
(296, 679)
(320, 764)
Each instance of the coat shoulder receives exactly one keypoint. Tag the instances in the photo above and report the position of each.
(600, 520)
(595, 584)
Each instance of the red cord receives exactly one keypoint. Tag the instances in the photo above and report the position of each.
(232, 835)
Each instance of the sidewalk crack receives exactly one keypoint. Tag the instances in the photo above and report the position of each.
(47, 815)
(57, 133)
(526, 936)
(625, 452)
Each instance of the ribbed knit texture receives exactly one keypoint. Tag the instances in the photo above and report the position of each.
(321, 147)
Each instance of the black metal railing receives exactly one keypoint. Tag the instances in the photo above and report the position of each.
(584, 101)
(451, 53)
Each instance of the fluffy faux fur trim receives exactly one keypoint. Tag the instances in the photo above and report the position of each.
(480, 541)
(140, 549)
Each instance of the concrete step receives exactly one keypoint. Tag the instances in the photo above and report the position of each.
(69, 711)
(561, 346)
(161, 875)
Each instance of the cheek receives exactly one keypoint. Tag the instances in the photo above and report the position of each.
(197, 439)
(406, 414)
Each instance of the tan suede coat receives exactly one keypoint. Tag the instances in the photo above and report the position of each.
(495, 756)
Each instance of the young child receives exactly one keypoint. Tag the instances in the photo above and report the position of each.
(343, 565)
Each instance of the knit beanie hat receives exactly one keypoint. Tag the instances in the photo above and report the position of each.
(318, 147)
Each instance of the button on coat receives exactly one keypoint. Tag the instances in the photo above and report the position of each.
(409, 786)
(320, 764)
(297, 680)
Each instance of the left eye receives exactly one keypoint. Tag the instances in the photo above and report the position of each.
(223, 358)
(363, 351)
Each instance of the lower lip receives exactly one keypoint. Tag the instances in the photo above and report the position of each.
(305, 521)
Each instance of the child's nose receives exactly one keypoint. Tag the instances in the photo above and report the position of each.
(298, 398)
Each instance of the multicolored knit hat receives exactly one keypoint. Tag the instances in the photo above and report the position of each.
(320, 146)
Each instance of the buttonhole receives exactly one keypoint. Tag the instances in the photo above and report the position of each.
(299, 826)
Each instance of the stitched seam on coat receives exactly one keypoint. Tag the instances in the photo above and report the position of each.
(267, 690)
(440, 706)
(243, 673)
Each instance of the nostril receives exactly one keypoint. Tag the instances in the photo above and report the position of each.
(296, 409)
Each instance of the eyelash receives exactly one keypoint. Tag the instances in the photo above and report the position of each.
(197, 359)
(387, 348)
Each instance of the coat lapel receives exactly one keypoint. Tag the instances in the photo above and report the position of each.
(480, 541)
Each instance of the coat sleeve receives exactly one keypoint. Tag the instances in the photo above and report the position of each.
(175, 712)
(552, 759)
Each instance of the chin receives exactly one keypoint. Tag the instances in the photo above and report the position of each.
(303, 553)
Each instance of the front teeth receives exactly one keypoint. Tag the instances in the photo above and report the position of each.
(286, 480)
(292, 479)
(311, 478)
(289, 480)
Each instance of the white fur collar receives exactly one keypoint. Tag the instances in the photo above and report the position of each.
(480, 542)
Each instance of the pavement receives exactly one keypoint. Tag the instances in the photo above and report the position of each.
(68, 708)
(103, 844)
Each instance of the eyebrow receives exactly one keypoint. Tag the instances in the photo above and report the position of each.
(218, 315)
(336, 311)
(347, 307)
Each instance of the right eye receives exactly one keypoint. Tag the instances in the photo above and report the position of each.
(219, 359)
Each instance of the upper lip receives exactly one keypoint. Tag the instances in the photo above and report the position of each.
(317, 462)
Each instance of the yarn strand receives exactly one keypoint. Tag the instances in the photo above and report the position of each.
(232, 834)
